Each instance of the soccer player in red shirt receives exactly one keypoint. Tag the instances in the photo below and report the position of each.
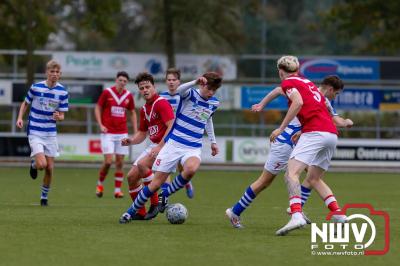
(156, 119)
(317, 142)
(110, 112)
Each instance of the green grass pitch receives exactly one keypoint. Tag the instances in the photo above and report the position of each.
(80, 229)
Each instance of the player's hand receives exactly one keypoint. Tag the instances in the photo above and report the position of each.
(154, 152)
(126, 141)
(349, 123)
(214, 149)
(20, 123)
(58, 116)
(201, 81)
(275, 134)
(296, 137)
(257, 107)
(103, 129)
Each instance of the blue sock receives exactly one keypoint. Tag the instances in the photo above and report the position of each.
(178, 183)
(244, 201)
(140, 200)
(45, 191)
(305, 193)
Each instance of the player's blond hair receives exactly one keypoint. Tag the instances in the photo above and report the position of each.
(288, 63)
(53, 64)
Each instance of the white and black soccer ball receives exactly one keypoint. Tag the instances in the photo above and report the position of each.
(176, 213)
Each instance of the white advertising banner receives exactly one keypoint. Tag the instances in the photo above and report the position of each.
(349, 152)
(5, 92)
(88, 148)
(250, 150)
(106, 65)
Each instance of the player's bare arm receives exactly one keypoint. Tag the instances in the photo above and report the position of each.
(22, 110)
(97, 114)
(342, 122)
(258, 107)
(137, 138)
(133, 120)
(297, 103)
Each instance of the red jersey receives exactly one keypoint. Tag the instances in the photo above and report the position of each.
(153, 117)
(313, 115)
(114, 105)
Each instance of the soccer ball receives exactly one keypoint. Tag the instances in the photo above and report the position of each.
(176, 213)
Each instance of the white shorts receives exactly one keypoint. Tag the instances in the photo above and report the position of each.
(170, 155)
(46, 145)
(278, 157)
(145, 152)
(111, 144)
(315, 148)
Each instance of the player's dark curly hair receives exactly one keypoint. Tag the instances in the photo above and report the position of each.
(334, 81)
(214, 80)
(144, 76)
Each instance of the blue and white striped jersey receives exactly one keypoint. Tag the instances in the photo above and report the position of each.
(44, 102)
(286, 136)
(295, 126)
(331, 110)
(173, 99)
(192, 116)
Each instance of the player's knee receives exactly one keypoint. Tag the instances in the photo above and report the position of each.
(107, 164)
(313, 180)
(40, 165)
(189, 172)
(119, 165)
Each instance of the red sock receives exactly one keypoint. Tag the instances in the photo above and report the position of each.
(133, 192)
(102, 177)
(332, 204)
(118, 178)
(295, 204)
(146, 182)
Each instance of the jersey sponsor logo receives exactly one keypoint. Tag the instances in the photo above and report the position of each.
(117, 111)
(48, 104)
(153, 130)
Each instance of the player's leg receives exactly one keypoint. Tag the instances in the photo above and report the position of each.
(189, 186)
(48, 176)
(118, 175)
(315, 179)
(135, 186)
(263, 181)
(105, 167)
(292, 175)
(120, 153)
(190, 166)
(107, 147)
(143, 196)
(319, 166)
(37, 153)
(147, 176)
(164, 164)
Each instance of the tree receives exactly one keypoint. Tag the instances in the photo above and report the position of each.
(373, 24)
(197, 25)
(27, 24)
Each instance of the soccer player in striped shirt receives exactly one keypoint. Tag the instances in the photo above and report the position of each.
(49, 102)
(184, 142)
(173, 80)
